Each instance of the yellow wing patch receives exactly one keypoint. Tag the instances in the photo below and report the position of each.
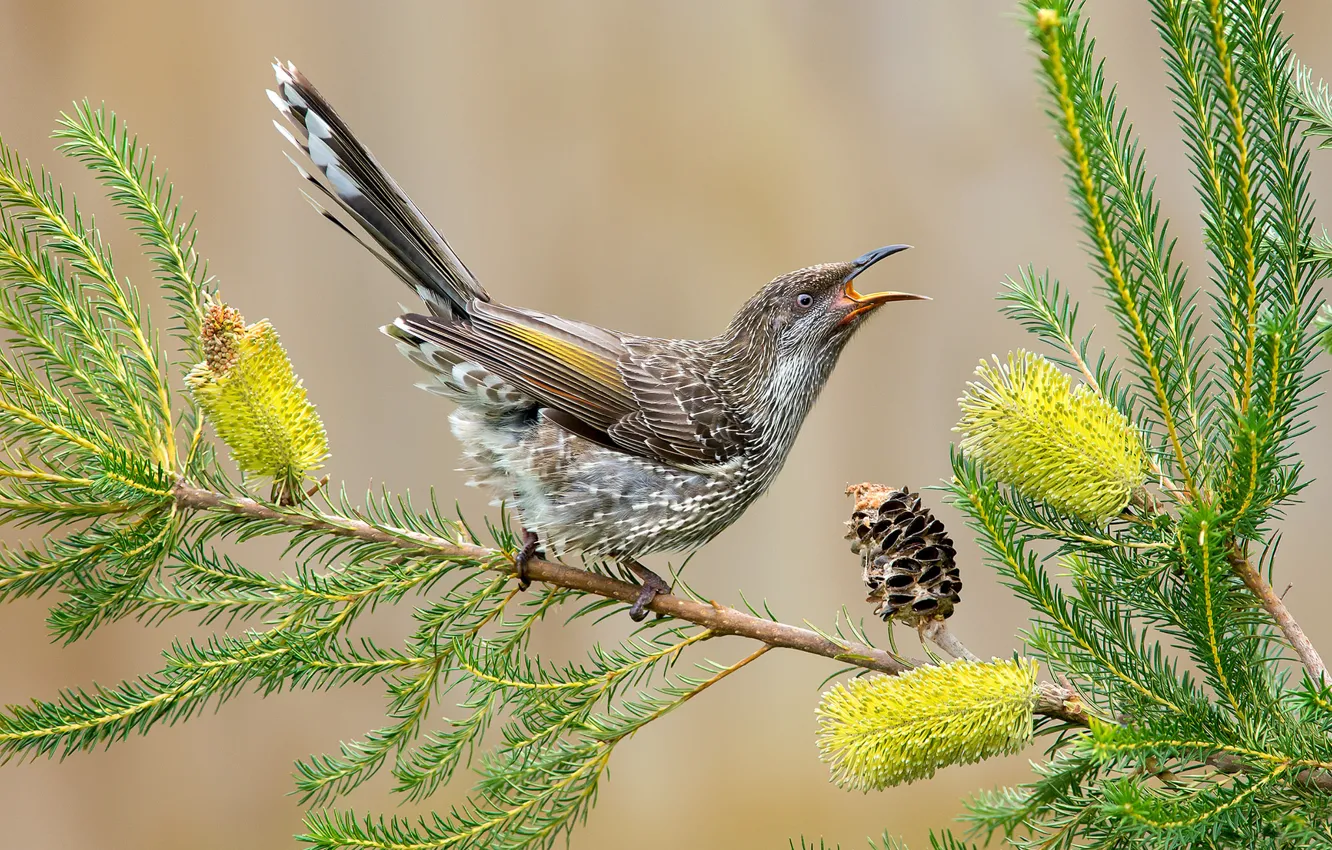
(580, 359)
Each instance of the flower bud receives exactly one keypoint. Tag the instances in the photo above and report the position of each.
(248, 390)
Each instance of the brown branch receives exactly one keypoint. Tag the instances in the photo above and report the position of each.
(1312, 777)
(1054, 700)
(1257, 584)
(720, 619)
(1254, 579)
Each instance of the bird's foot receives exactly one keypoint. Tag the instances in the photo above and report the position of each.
(520, 561)
(652, 585)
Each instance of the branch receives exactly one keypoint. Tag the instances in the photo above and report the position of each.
(718, 618)
(1108, 246)
(1054, 700)
(1271, 602)
(1312, 777)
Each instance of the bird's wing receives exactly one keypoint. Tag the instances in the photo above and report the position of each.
(678, 410)
(627, 393)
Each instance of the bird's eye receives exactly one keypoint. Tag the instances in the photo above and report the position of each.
(804, 300)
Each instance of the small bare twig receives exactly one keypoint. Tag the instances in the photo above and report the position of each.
(1310, 776)
(1273, 604)
(936, 630)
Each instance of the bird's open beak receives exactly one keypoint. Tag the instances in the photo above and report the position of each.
(864, 303)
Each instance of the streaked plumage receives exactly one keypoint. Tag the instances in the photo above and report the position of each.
(603, 442)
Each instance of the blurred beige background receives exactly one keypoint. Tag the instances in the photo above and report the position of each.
(640, 165)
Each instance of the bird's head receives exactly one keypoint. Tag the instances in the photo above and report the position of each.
(810, 314)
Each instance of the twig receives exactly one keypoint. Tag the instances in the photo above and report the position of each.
(1267, 597)
(722, 674)
(936, 630)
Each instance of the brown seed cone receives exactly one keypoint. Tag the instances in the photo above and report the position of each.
(909, 563)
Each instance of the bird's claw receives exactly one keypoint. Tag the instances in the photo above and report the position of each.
(652, 585)
(524, 556)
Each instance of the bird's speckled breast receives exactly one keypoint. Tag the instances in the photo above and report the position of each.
(578, 495)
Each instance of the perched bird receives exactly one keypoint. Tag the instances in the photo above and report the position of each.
(602, 442)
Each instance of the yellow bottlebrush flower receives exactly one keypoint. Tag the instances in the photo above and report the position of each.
(249, 392)
(883, 731)
(1069, 448)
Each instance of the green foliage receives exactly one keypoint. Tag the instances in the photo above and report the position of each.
(1211, 752)
(942, 841)
(1313, 104)
(1322, 323)
(86, 412)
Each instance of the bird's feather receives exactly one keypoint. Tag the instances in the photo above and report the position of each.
(415, 250)
(621, 391)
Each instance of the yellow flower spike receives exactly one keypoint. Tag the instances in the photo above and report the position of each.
(882, 731)
(1069, 448)
(255, 401)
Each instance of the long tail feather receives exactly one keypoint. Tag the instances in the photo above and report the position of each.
(411, 247)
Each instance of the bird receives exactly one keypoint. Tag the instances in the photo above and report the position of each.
(605, 443)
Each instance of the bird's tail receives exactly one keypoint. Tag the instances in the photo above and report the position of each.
(408, 244)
